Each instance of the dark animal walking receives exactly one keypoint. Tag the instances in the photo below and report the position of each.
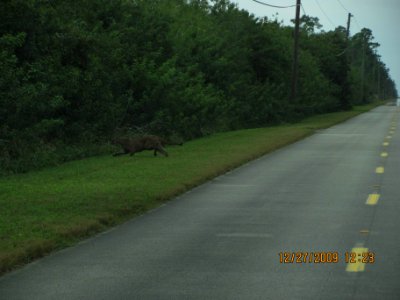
(138, 144)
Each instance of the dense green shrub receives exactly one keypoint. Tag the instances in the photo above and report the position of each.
(75, 72)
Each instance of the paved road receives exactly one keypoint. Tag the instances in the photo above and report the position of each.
(222, 239)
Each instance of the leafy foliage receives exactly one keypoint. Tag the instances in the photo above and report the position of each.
(75, 72)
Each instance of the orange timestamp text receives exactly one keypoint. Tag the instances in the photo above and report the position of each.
(325, 257)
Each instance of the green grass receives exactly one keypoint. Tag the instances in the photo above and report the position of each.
(53, 208)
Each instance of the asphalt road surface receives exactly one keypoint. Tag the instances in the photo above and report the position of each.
(333, 193)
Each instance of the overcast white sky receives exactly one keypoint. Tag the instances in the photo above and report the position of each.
(381, 16)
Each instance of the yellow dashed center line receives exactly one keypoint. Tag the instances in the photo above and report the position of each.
(372, 199)
(357, 265)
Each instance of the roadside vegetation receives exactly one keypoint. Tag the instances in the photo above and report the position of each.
(75, 73)
(53, 208)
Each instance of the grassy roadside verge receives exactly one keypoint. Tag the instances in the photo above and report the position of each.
(53, 208)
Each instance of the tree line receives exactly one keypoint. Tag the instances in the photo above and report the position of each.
(74, 73)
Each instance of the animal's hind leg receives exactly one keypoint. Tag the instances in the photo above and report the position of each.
(161, 150)
(119, 153)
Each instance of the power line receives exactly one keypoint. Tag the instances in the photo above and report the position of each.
(341, 4)
(355, 19)
(327, 17)
(358, 24)
(275, 6)
(302, 7)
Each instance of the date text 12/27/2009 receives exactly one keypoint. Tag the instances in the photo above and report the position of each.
(325, 257)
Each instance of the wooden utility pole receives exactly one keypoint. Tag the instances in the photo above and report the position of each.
(348, 26)
(295, 71)
(379, 82)
(363, 69)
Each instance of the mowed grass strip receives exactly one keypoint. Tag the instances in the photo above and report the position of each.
(53, 208)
